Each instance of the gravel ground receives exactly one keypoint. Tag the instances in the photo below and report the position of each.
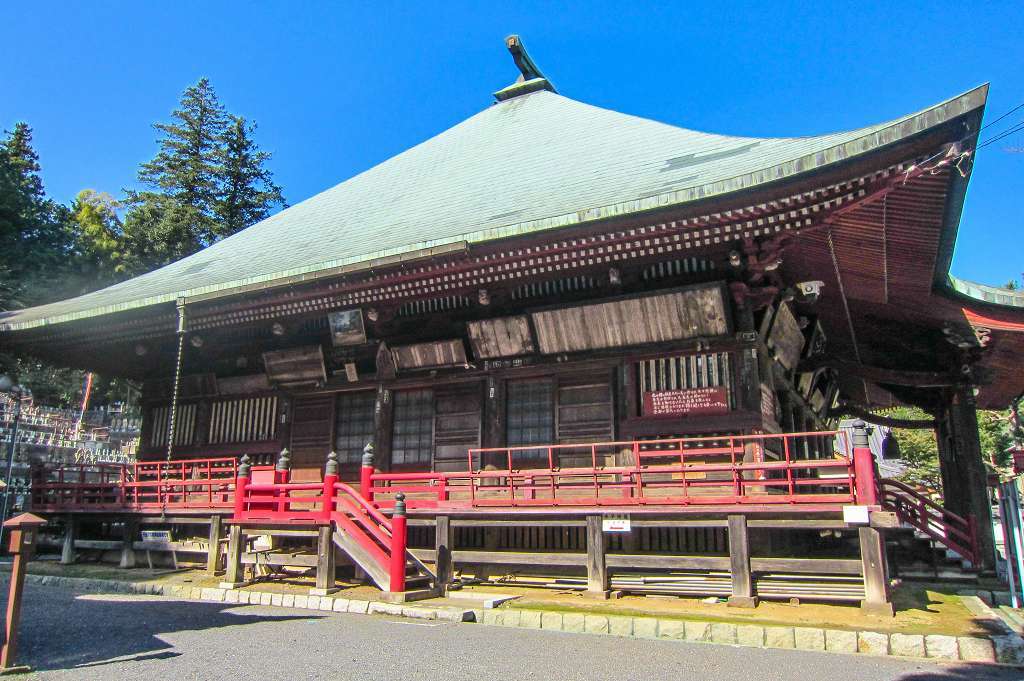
(73, 636)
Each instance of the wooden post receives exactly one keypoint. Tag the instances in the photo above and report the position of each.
(876, 580)
(67, 550)
(324, 562)
(597, 570)
(129, 529)
(213, 553)
(739, 564)
(443, 540)
(233, 577)
(21, 543)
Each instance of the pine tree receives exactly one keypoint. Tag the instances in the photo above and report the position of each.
(34, 239)
(248, 193)
(207, 181)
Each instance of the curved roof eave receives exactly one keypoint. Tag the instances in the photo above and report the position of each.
(853, 144)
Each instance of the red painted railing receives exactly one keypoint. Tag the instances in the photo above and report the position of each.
(947, 528)
(187, 484)
(279, 501)
(736, 470)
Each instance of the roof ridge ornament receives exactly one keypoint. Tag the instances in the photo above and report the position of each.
(530, 77)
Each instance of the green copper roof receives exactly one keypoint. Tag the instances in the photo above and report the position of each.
(531, 162)
(997, 295)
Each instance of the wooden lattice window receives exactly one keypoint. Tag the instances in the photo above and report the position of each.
(412, 439)
(530, 417)
(354, 426)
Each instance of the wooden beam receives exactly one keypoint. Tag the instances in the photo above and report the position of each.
(597, 570)
(876, 580)
(739, 564)
(829, 566)
(916, 379)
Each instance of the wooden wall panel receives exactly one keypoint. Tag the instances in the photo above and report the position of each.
(312, 430)
(296, 365)
(427, 355)
(679, 315)
(501, 337)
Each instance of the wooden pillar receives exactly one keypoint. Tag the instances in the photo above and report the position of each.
(597, 570)
(739, 564)
(324, 562)
(968, 493)
(129, 529)
(383, 417)
(213, 553)
(233, 577)
(67, 550)
(876, 579)
(443, 544)
(494, 413)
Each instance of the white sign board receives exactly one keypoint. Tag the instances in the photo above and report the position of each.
(615, 525)
(855, 515)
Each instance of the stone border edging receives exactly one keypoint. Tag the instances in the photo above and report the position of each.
(1005, 649)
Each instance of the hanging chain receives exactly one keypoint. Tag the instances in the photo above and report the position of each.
(177, 379)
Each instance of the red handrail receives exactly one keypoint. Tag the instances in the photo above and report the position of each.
(944, 526)
(690, 479)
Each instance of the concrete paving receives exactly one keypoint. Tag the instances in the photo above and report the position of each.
(97, 636)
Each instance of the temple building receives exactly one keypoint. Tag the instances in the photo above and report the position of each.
(552, 318)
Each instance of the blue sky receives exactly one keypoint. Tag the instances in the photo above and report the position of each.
(338, 87)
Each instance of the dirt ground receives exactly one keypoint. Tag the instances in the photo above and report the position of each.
(920, 607)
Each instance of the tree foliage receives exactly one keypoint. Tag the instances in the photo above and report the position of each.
(919, 450)
(34, 239)
(208, 180)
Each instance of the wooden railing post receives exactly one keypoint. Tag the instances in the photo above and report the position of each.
(399, 537)
(241, 482)
(282, 469)
(366, 473)
(865, 480)
(330, 479)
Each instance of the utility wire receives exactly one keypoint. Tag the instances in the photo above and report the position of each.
(990, 124)
(1017, 127)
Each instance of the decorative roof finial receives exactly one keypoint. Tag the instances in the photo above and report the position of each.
(530, 78)
(527, 69)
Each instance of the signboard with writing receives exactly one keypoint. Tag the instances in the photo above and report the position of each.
(682, 402)
(616, 524)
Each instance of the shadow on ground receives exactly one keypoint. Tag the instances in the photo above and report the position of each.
(964, 672)
(65, 630)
